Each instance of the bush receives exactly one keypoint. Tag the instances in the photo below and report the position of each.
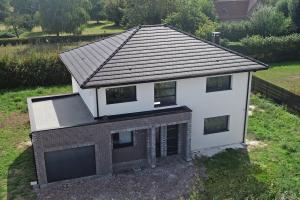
(52, 39)
(269, 49)
(34, 70)
(234, 31)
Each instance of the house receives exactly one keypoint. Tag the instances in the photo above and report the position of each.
(139, 96)
(234, 10)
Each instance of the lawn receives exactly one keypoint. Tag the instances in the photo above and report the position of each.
(286, 75)
(267, 171)
(16, 163)
(88, 29)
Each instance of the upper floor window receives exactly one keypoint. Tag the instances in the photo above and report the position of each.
(216, 124)
(218, 83)
(120, 94)
(122, 139)
(165, 94)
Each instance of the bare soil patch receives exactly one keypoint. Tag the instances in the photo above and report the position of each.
(254, 144)
(14, 120)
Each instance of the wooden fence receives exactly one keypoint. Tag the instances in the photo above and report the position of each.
(276, 93)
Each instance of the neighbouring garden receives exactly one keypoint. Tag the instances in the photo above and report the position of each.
(269, 169)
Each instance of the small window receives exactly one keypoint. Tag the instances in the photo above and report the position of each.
(165, 94)
(122, 139)
(120, 94)
(216, 124)
(218, 83)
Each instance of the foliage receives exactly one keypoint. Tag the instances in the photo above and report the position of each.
(294, 10)
(34, 70)
(283, 6)
(115, 10)
(267, 21)
(190, 15)
(234, 31)
(63, 16)
(205, 30)
(269, 49)
(4, 9)
(97, 11)
(267, 171)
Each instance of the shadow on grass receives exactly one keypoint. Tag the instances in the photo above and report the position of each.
(20, 173)
(231, 175)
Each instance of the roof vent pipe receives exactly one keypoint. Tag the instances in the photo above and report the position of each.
(216, 37)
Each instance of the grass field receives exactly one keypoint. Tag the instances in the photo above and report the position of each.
(286, 75)
(270, 170)
(90, 28)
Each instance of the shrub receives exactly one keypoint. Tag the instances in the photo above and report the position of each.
(34, 70)
(269, 49)
(234, 31)
(205, 30)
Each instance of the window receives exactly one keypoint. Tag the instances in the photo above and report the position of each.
(120, 94)
(219, 83)
(216, 124)
(165, 94)
(122, 139)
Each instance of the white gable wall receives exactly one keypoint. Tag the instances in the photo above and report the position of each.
(192, 93)
(88, 96)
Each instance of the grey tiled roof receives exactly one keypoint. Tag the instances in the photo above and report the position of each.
(151, 53)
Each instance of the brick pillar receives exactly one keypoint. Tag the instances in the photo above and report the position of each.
(163, 141)
(151, 147)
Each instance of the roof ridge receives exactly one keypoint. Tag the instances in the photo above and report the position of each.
(110, 57)
(98, 40)
(216, 45)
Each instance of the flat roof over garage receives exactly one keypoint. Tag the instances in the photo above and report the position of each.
(57, 112)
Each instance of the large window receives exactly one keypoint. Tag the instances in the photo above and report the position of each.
(218, 83)
(120, 94)
(216, 124)
(165, 94)
(122, 139)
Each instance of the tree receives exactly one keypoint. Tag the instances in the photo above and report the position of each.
(16, 21)
(206, 28)
(283, 6)
(4, 9)
(63, 16)
(115, 10)
(188, 17)
(267, 21)
(294, 11)
(97, 11)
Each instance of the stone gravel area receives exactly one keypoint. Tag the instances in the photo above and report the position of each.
(171, 179)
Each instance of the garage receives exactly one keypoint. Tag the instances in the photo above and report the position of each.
(70, 163)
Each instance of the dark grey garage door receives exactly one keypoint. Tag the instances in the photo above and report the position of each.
(70, 163)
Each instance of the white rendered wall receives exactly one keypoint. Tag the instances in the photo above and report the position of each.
(192, 93)
(88, 96)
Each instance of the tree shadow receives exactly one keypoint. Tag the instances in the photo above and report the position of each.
(20, 173)
(231, 175)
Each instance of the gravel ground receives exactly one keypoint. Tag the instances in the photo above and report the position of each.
(171, 179)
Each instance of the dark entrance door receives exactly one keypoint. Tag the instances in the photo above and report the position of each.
(172, 140)
(70, 163)
(157, 143)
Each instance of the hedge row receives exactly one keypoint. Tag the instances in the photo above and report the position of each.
(35, 70)
(52, 39)
(269, 49)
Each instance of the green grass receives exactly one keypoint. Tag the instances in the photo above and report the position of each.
(16, 163)
(269, 171)
(286, 75)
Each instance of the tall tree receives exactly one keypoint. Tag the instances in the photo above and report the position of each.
(97, 11)
(294, 10)
(4, 9)
(115, 10)
(63, 16)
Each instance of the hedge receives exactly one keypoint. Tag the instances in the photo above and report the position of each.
(34, 70)
(52, 39)
(269, 49)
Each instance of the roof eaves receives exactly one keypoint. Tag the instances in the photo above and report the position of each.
(219, 46)
(110, 57)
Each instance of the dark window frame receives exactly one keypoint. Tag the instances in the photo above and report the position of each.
(219, 85)
(157, 97)
(225, 129)
(117, 145)
(116, 100)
